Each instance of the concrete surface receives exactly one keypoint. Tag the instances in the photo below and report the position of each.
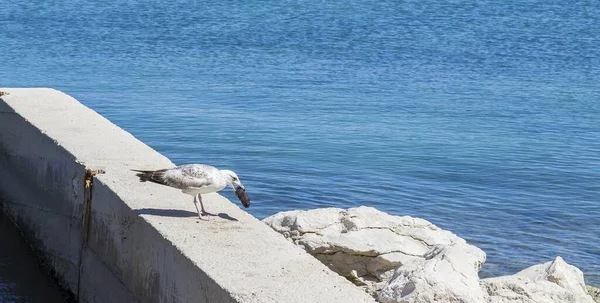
(140, 242)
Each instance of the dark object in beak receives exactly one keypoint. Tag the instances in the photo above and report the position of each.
(243, 196)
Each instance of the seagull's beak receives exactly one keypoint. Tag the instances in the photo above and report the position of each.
(238, 183)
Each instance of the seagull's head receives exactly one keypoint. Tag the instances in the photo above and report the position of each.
(231, 178)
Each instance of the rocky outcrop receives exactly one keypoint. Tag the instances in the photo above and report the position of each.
(367, 245)
(554, 281)
(409, 260)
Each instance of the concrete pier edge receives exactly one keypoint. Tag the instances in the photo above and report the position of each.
(119, 240)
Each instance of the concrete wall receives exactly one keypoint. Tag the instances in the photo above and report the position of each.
(126, 241)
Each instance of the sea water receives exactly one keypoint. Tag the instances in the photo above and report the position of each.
(482, 117)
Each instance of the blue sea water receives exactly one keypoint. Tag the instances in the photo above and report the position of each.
(482, 117)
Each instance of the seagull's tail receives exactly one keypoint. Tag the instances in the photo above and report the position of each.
(150, 175)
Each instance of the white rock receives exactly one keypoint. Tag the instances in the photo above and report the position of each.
(554, 281)
(447, 274)
(419, 261)
(363, 243)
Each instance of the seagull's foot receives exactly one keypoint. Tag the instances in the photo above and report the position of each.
(206, 216)
(205, 213)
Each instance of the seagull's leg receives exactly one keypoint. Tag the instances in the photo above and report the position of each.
(196, 204)
(202, 205)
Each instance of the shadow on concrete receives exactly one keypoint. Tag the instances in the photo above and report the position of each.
(226, 216)
(179, 213)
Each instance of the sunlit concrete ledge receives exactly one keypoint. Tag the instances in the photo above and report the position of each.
(132, 241)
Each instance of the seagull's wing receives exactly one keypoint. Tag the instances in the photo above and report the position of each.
(182, 177)
(190, 175)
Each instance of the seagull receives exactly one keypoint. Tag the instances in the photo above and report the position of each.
(196, 179)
